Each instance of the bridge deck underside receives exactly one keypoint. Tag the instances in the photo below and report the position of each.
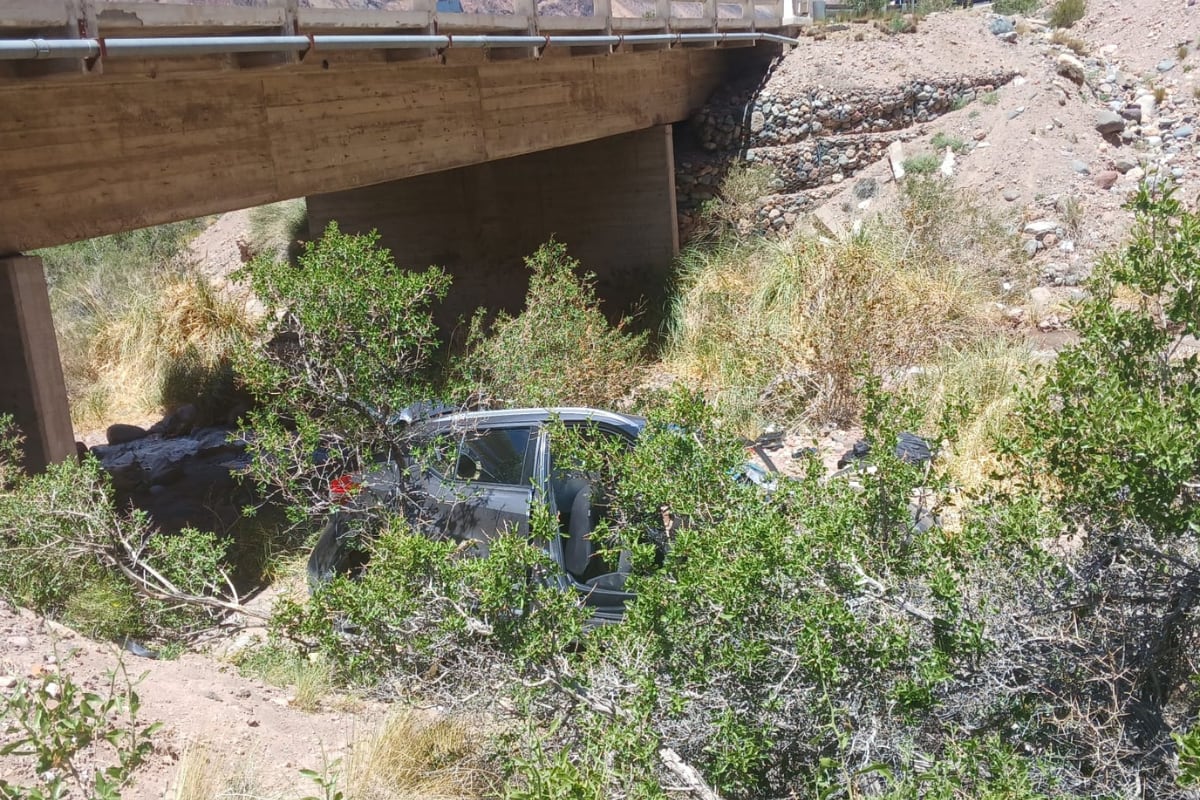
(86, 155)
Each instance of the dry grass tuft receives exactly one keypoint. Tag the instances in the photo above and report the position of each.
(781, 332)
(277, 229)
(309, 678)
(415, 755)
(1072, 43)
(205, 774)
(168, 345)
(137, 327)
(974, 384)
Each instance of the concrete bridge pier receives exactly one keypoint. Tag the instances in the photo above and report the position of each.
(611, 200)
(31, 379)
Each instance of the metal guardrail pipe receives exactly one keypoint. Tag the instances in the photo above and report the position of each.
(32, 49)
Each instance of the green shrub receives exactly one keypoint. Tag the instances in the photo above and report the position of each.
(1106, 437)
(560, 350)
(72, 555)
(1022, 7)
(421, 606)
(1067, 12)
(871, 8)
(922, 164)
(737, 201)
(347, 341)
(941, 141)
(58, 727)
(1111, 425)
(759, 642)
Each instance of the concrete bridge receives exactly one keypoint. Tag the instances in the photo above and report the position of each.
(465, 138)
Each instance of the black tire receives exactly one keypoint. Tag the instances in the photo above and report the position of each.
(338, 550)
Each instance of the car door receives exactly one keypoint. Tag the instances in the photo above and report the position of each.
(483, 484)
(601, 584)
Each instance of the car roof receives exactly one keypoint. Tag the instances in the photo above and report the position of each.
(536, 416)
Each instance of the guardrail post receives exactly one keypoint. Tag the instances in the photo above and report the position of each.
(290, 10)
(662, 12)
(602, 11)
(81, 24)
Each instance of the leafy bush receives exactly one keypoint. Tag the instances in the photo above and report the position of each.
(736, 204)
(942, 140)
(1022, 7)
(923, 164)
(429, 617)
(868, 7)
(1113, 420)
(72, 555)
(776, 630)
(346, 343)
(1067, 12)
(560, 350)
(60, 725)
(1105, 436)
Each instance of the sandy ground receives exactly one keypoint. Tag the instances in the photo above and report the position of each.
(1026, 150)
(199, 699)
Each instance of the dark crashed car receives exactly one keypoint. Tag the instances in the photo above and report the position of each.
(478, 475)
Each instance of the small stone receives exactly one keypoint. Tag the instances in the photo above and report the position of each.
(1040, 227)
(1071, 68)
(52, 689)
(1016, 112)
(866, 188)
(8, 681)
(1166, 65)
(1131, 112)
(758, 121)
(1109, 122)
(1106, 179)
(1182, 132)
(18, 641)
(1011, 194)
(1000, 26)
(1148, 105)
(1030, 246)
(1080, 167)
(1178, 172)
(1123, 165)
(1066, 246)
(1049, 240)
(979, 135)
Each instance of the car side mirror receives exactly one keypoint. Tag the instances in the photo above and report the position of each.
(466, 469)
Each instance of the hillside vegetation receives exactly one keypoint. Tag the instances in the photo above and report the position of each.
(821, 638)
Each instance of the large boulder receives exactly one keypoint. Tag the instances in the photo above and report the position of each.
(123, 434)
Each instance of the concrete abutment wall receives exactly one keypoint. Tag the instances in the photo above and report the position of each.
(611, 200)
(31, 378)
